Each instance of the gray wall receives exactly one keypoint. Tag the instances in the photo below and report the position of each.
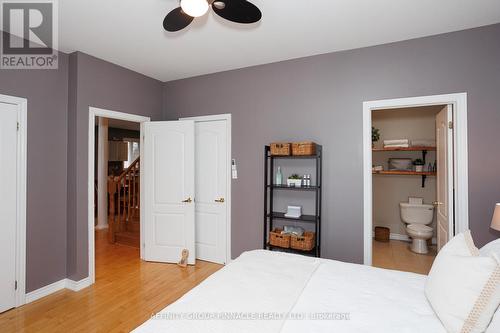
(320, 98)
(47, 94)
(94, 82)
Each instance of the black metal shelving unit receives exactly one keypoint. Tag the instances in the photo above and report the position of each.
(269, 189)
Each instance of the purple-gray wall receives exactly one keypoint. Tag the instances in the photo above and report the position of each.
(94, 82)
(47, 94)
(320, 98)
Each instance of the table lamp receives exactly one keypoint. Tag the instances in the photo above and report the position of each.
(495, 221)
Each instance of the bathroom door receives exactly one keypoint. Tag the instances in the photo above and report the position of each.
(444, 154)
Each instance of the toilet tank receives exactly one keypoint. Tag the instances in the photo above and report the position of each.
(416, 214)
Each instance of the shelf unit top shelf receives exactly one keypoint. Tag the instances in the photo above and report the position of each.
(419, 148)
(294, 188)
(404, 173)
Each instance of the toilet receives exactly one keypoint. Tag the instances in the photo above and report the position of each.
(417, 216)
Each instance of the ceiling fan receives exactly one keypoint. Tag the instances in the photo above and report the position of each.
(239, 11)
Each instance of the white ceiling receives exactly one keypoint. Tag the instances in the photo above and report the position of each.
(130, 33)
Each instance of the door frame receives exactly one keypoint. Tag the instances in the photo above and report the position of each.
(93, 113)
(22, 119)
(227, 118)
(460, 159)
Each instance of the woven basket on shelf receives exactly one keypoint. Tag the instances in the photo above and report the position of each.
(277, 239)
(303, 148)
(305, 242)
(280, 149)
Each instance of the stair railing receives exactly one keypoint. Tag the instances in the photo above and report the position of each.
(124, 199)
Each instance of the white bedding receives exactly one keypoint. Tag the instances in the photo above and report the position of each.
(291, 291)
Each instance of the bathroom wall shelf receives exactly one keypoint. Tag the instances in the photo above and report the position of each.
(270, 189)
(424, 174)
(420, 148)
(404, 173)
(424, 151)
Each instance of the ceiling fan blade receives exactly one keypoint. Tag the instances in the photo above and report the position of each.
(239, 11)
(176, 20)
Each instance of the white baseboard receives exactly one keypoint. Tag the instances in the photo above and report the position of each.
(45, 291)
(404, 238)
(56, 286)
(78, 285)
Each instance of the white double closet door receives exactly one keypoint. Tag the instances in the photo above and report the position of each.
(186, 168)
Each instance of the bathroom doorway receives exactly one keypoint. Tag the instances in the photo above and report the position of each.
(404, 185)
(413, 201)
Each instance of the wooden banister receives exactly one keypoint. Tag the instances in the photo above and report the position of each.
(125, 189)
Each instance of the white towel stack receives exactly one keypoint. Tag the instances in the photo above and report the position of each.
(399, 143)
(423, 143)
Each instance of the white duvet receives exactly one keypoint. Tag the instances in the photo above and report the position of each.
(274, 292)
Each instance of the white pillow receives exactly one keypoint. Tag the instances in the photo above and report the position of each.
(491, 247)
(463, 287)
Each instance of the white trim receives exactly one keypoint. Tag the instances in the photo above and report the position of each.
(227, 118)
(55, 287)
(102, 174)
(22, 105)
(405, 238)
(78, 285)
(461, 199)
(96, 112)
(45, 291)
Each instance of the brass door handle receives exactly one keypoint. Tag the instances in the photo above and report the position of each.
(437, 203)
(188, 200)
(221, 200)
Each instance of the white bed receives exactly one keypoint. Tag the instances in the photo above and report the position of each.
(296, 294)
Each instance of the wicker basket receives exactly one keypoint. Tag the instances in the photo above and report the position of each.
(280, 149)
(305, 242)
(277, 239)
(303, 148)
(382, 234)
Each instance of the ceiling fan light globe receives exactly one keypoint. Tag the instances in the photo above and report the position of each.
(194, 8)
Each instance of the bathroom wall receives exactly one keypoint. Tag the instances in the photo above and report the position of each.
(389, 191)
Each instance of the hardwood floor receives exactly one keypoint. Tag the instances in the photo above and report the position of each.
(397, 255)
(126, 293)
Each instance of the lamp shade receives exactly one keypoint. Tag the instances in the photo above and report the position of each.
(495, 222)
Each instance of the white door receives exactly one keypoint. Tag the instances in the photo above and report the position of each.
(212, 169)
(169, 190)
(444, 203)
(8, 204)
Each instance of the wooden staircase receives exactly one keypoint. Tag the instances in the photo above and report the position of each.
(124, 207)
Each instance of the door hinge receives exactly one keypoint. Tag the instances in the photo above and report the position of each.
(15, 285)
(450, 124)
(18, 126)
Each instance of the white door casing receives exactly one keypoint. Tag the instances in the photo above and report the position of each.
(444, 155)
(169, 190)
(8, 204)
(211, 177)
(459, 168)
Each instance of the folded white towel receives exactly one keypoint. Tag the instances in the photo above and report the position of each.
(397, 146)
(423, 143)
(397, 142)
